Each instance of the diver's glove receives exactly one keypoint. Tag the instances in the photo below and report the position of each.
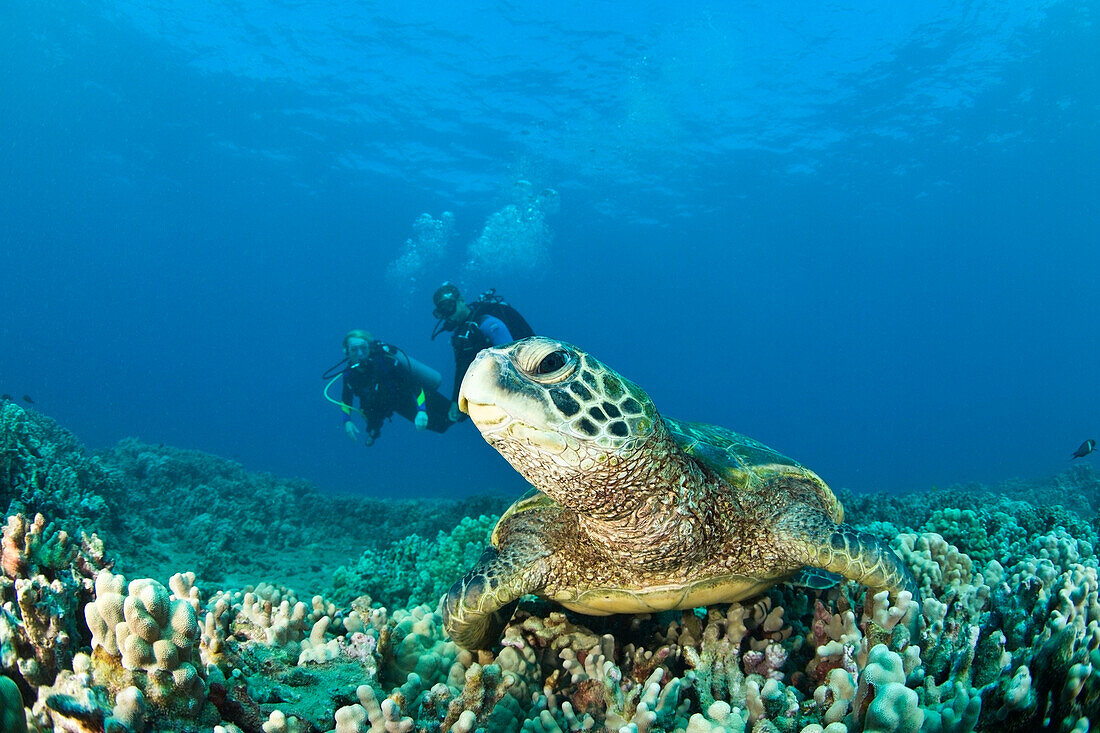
(453, 413)
(421, 420)
(351, 429)
(369, 440)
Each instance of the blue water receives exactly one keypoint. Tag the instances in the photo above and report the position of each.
(863, 235)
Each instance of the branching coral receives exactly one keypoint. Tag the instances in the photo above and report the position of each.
(47, 579)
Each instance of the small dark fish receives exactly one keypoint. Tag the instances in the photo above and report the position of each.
(27, 399)
(1087, 447)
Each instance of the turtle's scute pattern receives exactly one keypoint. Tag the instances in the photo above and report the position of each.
(617, 411)
(635, 512)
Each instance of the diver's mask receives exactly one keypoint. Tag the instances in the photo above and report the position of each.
(445, 307)
(358, 351)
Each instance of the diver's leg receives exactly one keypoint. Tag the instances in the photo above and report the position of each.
(437, 406)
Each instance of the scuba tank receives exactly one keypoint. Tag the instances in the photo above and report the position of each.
(422, 374)
(494, 305)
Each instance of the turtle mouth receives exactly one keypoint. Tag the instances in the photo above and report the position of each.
(500, 427)
(485, 416)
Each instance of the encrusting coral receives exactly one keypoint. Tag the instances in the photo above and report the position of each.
(1009, 625)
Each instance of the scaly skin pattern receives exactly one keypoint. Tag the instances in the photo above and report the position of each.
(636, 513)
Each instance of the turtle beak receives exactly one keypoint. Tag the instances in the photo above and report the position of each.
(476, 395)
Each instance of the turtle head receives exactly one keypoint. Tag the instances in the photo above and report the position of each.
(562, 418)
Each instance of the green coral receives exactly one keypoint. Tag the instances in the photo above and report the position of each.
(43, 469)
(235, 511)
(963, 526)
(414, 570)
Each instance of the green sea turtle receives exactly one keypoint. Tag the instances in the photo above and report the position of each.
(635, 512)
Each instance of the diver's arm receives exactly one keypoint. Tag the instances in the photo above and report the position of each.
(346, 397)
(495, 331)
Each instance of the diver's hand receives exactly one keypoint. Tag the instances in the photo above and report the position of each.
(369, 440)
(453, 413)
(351, 429)
(421, 420)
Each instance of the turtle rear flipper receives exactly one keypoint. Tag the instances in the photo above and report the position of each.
(478, 607)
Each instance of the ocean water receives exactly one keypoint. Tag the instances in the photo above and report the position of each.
(863, 234)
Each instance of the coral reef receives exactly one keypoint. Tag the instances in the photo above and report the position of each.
(414, 570)
(1007, 634)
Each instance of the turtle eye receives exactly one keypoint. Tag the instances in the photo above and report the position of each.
(549, 365)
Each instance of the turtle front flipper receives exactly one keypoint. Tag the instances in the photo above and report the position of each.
(865, 559)
(858, 556)
(477, 608)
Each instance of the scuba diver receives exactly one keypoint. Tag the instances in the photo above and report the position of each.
(386, 380)
(488, 321)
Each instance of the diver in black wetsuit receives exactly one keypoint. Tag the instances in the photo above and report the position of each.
(488, 321)
(386, 380)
